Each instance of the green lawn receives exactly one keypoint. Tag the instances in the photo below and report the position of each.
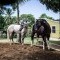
(55, 42)
(27, 40)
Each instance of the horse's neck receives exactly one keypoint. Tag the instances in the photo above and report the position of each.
(26, 28)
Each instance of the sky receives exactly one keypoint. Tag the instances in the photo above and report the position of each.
(35, 8)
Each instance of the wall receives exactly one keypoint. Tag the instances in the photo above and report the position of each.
(56, 24)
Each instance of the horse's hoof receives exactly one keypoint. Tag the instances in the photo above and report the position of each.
(22, 44)
(45, 48)
(31, 45)
(10, 43)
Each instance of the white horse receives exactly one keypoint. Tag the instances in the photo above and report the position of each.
(19, 30)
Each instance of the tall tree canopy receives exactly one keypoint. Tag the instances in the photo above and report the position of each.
(2, 22)
(52, 4)
(14, 3)
(7, 2)
(28, 17)
(45, 16)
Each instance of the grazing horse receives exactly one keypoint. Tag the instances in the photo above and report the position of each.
(41, 28)
(21, 31)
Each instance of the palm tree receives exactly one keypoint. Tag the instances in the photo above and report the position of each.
(14, 4)
(8, 13)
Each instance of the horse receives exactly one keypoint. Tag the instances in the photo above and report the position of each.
(20, 30)
(43, 29)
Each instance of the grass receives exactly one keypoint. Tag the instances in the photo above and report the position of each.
(27, 40)
(55, 42)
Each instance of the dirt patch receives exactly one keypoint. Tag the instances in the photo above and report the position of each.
(26, 52)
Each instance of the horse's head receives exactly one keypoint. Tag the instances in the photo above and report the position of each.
(38, 24)
(26, 23)
(43, 22)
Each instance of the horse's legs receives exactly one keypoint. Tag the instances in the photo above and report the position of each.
(19, 37)
(48, 36)
(37, 37)
(22, 38)
(8, 34)
(32, 38)
(44, 43)
(12, 36)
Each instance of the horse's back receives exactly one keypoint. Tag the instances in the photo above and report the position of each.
(17, 27)
(14, 27)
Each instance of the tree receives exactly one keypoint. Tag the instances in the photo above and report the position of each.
(52, 4)
(2, 22)
(4, 3)
(45, 16)
(28, 17)
(14, 19)
(14, 3)
(8, 13)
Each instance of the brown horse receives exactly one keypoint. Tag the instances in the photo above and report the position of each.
(41, 28)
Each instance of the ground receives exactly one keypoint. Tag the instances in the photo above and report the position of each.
(26, 52)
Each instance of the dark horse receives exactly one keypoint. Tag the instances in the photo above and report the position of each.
(41, 28)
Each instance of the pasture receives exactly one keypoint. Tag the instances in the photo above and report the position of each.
(27, 40)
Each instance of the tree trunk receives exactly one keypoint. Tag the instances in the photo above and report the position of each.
(59, 25)
(17, 12)
(19, 38)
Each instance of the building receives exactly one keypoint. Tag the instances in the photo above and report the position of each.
(55, 28)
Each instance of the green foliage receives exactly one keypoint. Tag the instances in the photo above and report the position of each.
(45, 16)
(14, 20)
(2, 22)
(9, 11)
(8, 19)
(14, 4)
(28, 17)
(52, 4)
